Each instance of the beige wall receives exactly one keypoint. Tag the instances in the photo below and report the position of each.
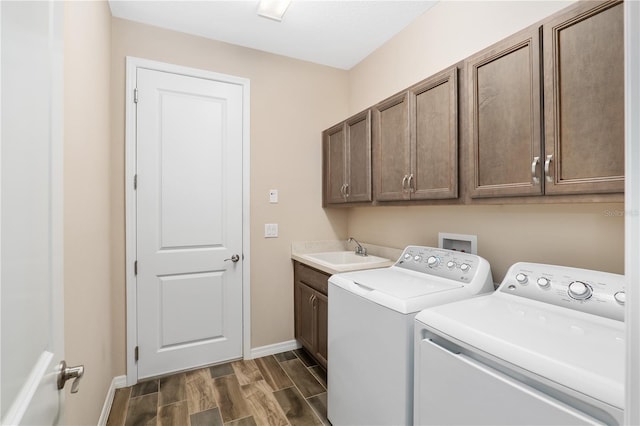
(291, 103)
(582, 235)
(447, 33)
(87, 301)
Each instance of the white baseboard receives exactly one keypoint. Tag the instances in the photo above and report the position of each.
(276, 348)
(116, 383)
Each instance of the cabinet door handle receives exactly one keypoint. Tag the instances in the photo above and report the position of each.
(311, 299)
(534, 176)
(547, 163)
(410, 182)
(347, 190)
(404, 183)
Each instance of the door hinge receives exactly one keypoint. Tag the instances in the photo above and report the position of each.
(135, 181)
(135, 96)
(136, 354)
(135, 268)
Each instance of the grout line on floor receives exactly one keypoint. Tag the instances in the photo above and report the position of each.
(298, 389)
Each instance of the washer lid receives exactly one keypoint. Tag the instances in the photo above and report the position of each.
(401, 290)
(581, 351)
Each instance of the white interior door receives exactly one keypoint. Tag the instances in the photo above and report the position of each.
(31, 337)
(189, 221)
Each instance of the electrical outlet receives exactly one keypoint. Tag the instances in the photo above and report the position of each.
(270, 230)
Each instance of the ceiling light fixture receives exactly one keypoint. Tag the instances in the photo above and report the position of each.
(273, 9)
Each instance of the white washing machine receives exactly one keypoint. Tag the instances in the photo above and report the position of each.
(371, 314)
(547, 348)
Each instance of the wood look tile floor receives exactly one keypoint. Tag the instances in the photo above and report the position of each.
(288, 388)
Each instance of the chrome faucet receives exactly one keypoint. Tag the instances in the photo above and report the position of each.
(360, 251)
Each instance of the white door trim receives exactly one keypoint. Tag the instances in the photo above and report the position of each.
(130, 200)
(632, 208)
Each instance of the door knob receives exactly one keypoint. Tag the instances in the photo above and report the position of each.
(67, 373)
(233, 258)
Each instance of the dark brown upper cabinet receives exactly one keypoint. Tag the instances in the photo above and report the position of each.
(347, 161)
(584, 99)
(391, 148)
(582, 84)
(415, 141)
(503, 84)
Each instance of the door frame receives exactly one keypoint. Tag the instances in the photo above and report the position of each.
(632, 209)
(132, 65)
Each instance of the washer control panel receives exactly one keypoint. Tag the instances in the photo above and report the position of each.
(594, 292)
(449, 264)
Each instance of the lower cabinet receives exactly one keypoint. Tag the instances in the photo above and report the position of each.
(311, 310)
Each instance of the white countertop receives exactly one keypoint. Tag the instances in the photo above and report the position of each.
(302, 248)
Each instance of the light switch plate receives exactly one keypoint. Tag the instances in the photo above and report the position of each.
(270, 230)
(273, 195)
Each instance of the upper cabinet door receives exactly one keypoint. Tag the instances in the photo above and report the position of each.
(584, 99)
(504, 107)
(391, 149)
(434, 140)
(358, 130)
(334, 164)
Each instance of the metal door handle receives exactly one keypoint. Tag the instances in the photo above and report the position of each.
(67, 373)
(547, 163)
(404, 183)
(233, 258)
(535, 178)
(410, 181)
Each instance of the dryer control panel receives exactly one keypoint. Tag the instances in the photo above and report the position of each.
(594, 292)
(449, 264)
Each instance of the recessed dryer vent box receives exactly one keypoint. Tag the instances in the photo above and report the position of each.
(458, 242)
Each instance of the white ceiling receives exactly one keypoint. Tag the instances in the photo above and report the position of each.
(339, 34)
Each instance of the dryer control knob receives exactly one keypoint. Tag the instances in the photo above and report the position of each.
(544, 282)
(621, 297)
(579, 290)
(522, 278)
(465, 267)
(451, 264)
(433, 261)
(407, 256)
(417, 258)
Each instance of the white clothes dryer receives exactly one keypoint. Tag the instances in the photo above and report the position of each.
(547, 348)
(370, 335)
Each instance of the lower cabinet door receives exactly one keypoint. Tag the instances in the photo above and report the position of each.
(305, 316)
(321, 323)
